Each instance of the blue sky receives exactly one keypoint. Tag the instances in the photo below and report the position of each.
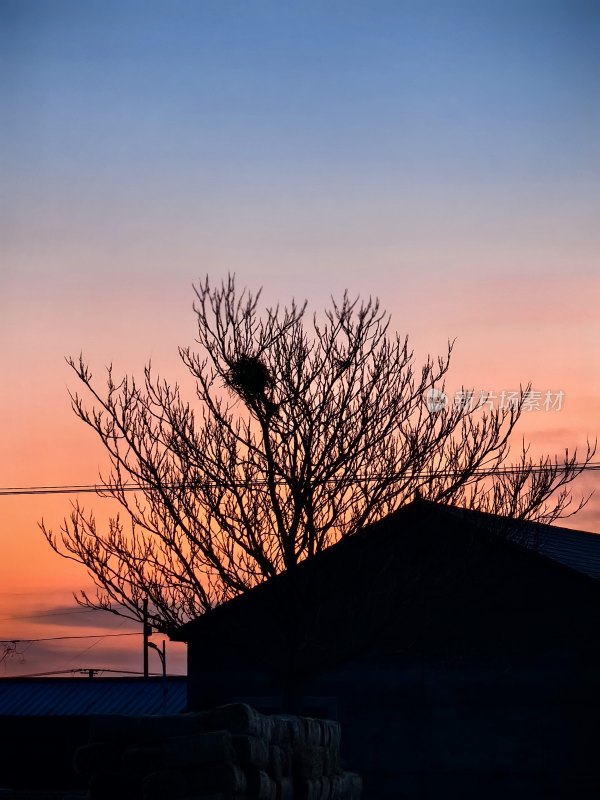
(212, 97)
(304, 126)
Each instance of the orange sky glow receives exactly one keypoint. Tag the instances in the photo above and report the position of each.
(443, 157)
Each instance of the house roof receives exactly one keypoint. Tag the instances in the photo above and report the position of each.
(428, 579)
(32, 697)
(579, 550)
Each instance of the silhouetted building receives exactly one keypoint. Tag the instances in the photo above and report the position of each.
(458, 650)
(44, 720)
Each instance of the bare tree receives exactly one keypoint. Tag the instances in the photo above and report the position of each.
(302, 432)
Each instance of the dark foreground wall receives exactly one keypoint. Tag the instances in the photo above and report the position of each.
(43, 720)
(37, 752)
(465, 731)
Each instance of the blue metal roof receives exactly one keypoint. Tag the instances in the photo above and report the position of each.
(579, 550)
(84, 696)
(576, 549)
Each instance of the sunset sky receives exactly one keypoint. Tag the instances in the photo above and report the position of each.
(443, 155)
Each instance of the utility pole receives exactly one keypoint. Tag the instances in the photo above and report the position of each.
(148, 644)
(162, 653)
(147, 632)
(164, 677)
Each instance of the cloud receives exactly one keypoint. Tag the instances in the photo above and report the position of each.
(76, 617)
(71, 617)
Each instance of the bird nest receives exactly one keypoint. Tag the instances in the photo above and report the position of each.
(250, 378)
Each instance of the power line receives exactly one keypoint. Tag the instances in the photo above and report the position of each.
(62, 638)
(89, 647)
(97, 642)
(140, 487)
(86, 670)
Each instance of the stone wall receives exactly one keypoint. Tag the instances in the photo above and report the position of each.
(229, 753)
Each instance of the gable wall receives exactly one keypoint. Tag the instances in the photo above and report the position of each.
(417, 730)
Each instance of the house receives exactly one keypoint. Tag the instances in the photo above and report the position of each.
(44, 720)
(458, 650)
